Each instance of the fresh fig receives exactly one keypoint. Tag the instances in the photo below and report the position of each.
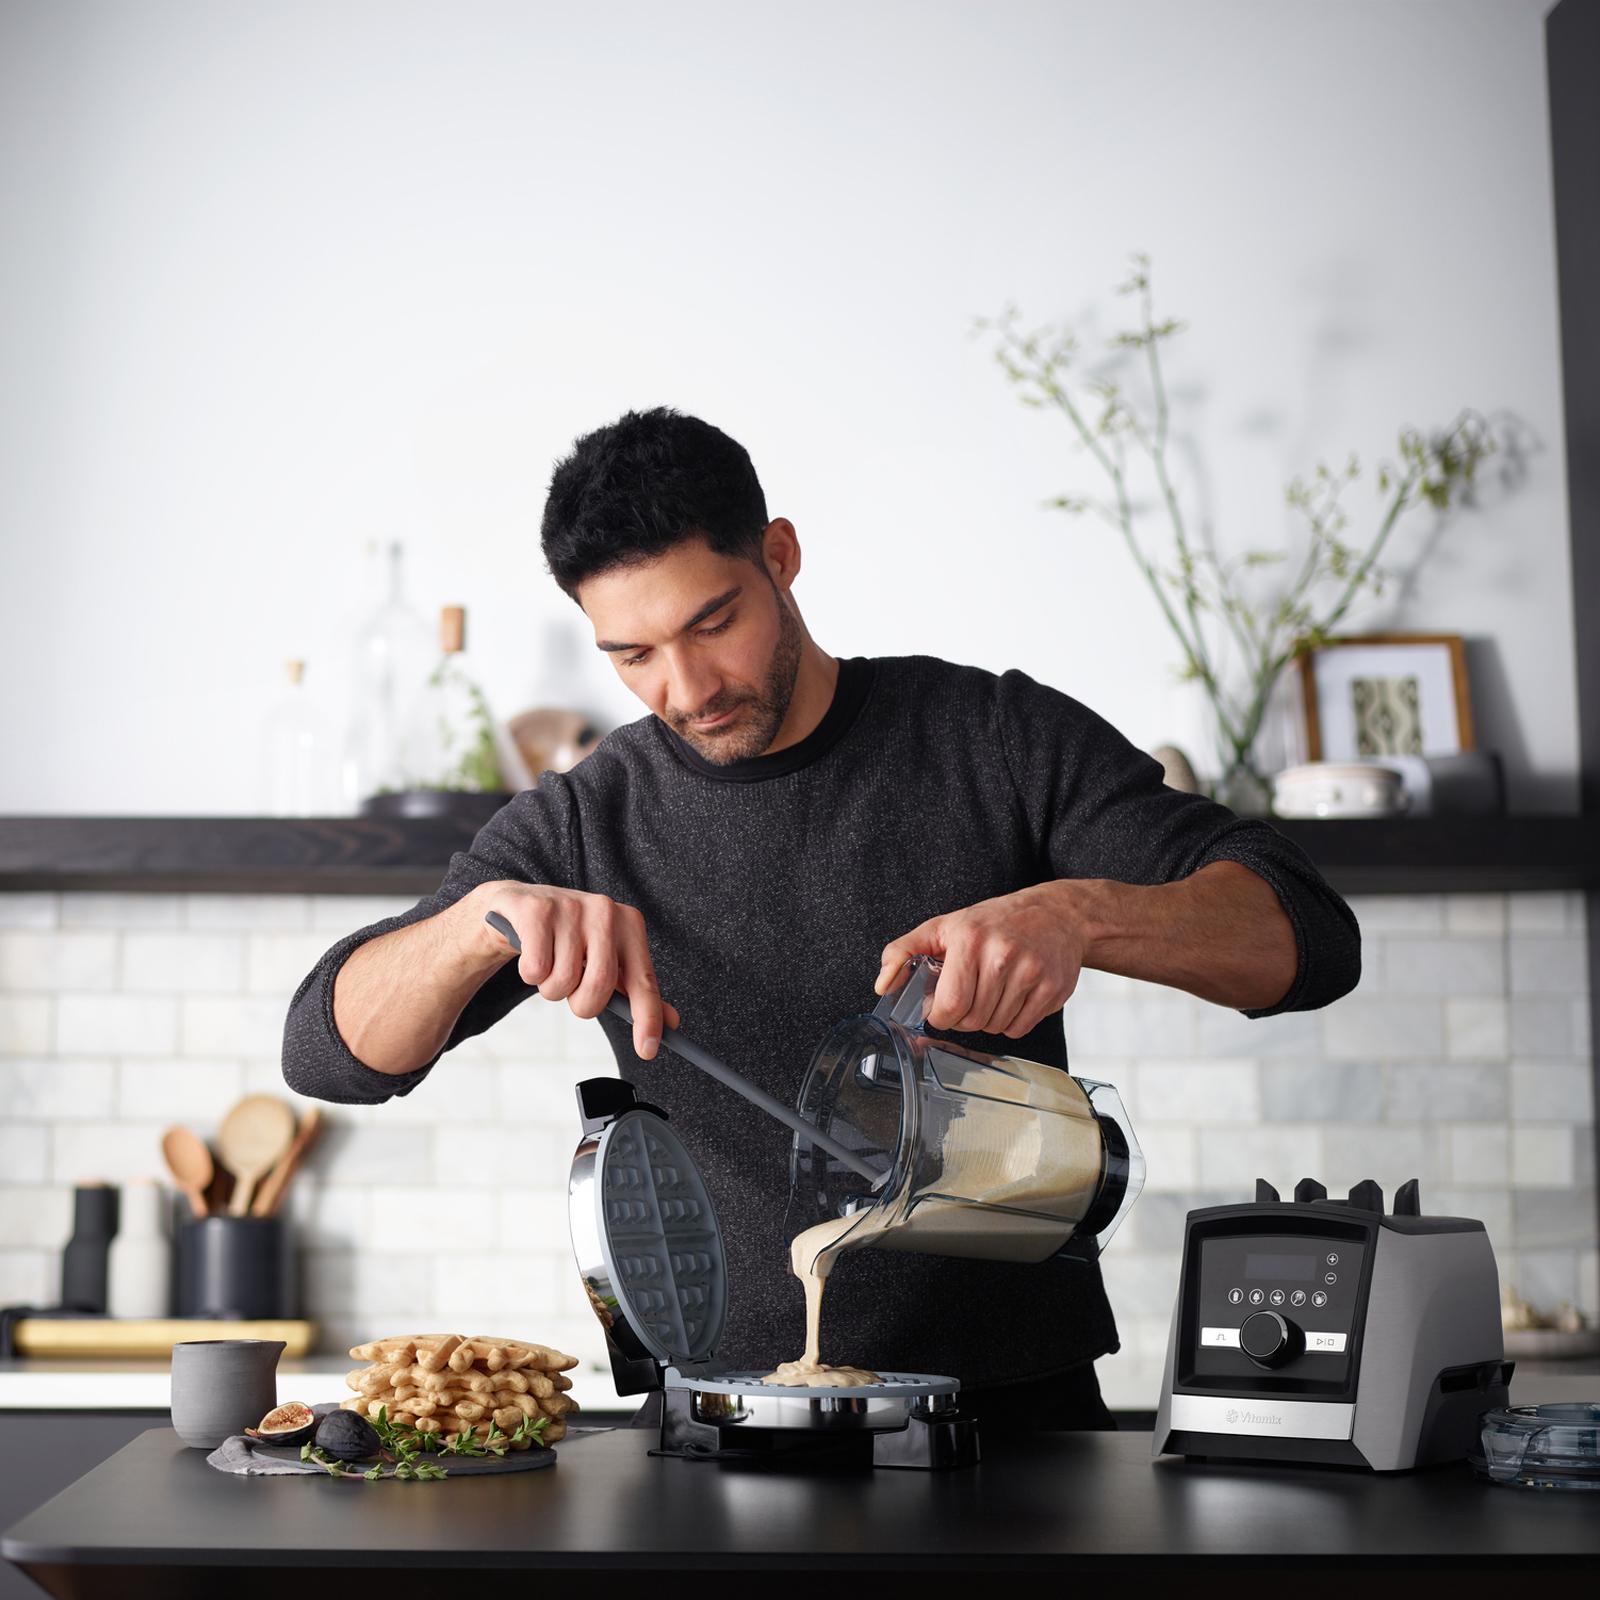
(347, 1436)
(290, 1423)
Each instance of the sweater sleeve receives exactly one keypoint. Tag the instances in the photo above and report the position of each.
(1098, 808)
(530, 839)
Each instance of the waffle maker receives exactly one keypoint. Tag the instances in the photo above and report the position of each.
(1322, 1330)
(649, 1246)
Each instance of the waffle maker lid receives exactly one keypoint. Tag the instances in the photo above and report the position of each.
(658, 1238)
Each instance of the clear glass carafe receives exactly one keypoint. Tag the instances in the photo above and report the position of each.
(973, 1154)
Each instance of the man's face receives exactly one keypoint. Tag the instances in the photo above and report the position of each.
(709, 643)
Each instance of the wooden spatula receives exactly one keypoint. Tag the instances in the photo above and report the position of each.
(270, 1195)
(252, 1140)
(189, 1162)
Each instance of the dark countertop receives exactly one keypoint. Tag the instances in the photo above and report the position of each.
(154, 1518)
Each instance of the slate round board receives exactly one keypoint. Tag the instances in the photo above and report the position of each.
(456, 1466)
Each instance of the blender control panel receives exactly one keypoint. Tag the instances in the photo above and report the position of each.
(1274, 1302)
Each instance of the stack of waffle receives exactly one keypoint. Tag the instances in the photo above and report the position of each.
(446, 1384)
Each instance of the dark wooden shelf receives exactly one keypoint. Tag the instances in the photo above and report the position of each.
(265, 855)
(370, 855)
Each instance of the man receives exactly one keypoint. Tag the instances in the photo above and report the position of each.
(756, 858)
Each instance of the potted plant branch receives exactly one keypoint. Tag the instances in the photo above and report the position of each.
(1232, 640)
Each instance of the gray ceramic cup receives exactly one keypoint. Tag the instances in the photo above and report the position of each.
(220, 1387)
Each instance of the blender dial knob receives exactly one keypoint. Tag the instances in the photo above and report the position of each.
(1269, 1339)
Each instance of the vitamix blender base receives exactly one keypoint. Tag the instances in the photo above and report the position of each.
(650, 1250)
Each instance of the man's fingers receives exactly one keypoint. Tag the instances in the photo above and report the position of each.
(1013, 1006)
(599, 982)
(989, 968)
(567, 959)
(924, 940)
(958, 983)
(638, 980)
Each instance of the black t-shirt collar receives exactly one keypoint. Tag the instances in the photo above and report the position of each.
(856, 674)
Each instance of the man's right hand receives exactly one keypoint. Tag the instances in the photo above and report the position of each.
(576, 947)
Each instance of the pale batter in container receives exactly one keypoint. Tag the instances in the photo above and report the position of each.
(1010, 1189)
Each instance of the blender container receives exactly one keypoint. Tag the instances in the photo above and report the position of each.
(975, 1154)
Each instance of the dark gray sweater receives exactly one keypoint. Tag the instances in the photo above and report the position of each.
(769, 889)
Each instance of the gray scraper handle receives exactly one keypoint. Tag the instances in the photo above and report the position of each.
(618, 1006)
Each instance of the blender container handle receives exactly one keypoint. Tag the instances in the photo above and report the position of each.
(909, 997)
(618, 1006)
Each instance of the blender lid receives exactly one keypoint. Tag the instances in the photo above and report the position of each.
(1541, 1447)
(659, 1239)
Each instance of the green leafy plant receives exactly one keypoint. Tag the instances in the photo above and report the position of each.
(1210, 603)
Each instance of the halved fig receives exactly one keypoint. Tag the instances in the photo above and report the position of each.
(290, 1423)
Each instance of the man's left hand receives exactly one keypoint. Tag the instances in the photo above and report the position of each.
(1008, 962)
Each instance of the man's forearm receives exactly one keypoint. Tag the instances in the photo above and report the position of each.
(397, 997)
(1220, 933)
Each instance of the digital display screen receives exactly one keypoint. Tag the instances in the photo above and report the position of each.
(1285, 1269)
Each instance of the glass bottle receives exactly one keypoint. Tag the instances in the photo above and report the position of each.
(297, 778)
(393, 654)
(450, 735)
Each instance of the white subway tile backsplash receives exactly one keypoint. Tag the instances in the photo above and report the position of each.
(24, 1154)
(116, 1024)
(1477, 1029)
(1321, 1091)
(1551, 1091)
(276, 963)
(1398, 913)
(1549, 966)
(417, 1220)
(327, 1214)
(26, 1024)
(357, 1148)
(338, 914)
(1169, 1156)
(1544, 1026)
(528, 1218)
(197, 1093)
(1475, 914)
(94, 909)
(1383, 1028)
(1465, 1092)
(56, 1088)
(29, 1277)
(34, 1215)
(1199, 1091)
(1221, 1032)
(1541, 1156)
(485, 1156)
(1233, 1158)
(1547, 1279)
(1537, 913)
(1478, 1153)
(113, 1152)
(182, 963)
(231, 1025)
(449, 1206)
(28, 908)
(246, 913)
(1456, 966)
(53, 959)
(1129, 1027)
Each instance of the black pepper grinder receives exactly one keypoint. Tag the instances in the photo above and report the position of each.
(83, 1262)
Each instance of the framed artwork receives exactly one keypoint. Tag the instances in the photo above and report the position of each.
(1386, 694)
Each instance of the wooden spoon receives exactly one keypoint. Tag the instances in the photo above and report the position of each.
(252, 1140)
(189, 1162)
(270, 1195)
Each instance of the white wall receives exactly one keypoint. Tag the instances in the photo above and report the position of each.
(279, 278)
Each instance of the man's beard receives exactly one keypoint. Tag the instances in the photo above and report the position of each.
(760, 714)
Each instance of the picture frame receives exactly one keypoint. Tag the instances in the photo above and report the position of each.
(1377, 695)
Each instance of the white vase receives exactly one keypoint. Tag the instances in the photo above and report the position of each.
(139, 1271)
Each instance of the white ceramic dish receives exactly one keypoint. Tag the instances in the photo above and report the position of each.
(1333, 789)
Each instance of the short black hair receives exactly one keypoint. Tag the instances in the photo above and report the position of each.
(650, 480)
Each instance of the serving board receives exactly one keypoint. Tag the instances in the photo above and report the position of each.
(456, 1466)
(155, 1336)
